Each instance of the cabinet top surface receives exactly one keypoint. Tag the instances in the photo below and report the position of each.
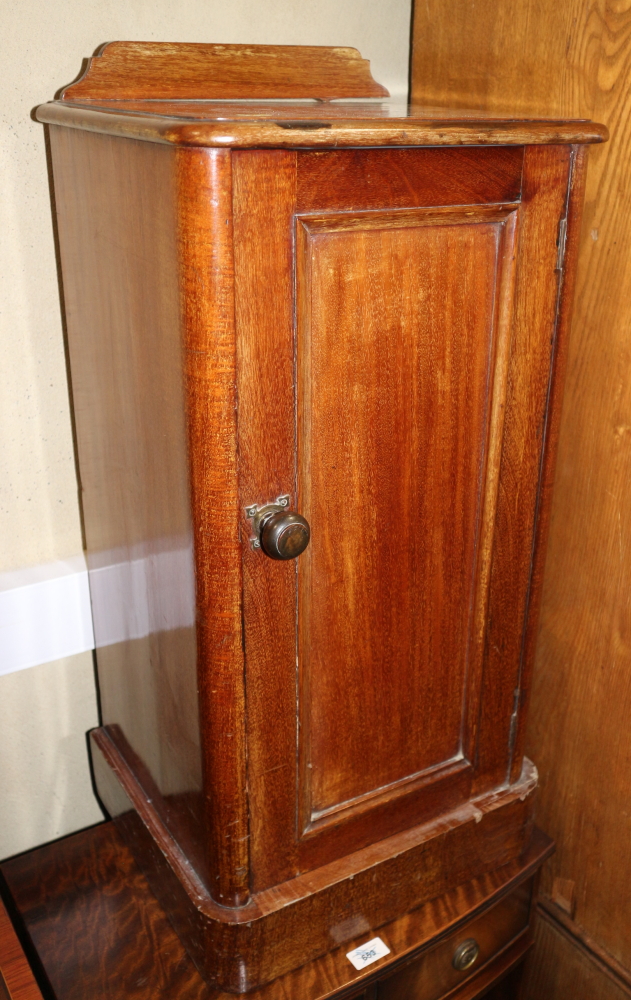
(310, 123)
(273, 96)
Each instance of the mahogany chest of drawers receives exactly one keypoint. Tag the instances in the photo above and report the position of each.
(316, 352)
(99, 932)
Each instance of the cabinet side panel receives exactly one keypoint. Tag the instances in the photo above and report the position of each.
(115, 201)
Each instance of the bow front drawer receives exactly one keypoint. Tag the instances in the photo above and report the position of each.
(451, 962)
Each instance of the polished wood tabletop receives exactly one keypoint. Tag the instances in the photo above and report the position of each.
(17, 981)
(99, 933)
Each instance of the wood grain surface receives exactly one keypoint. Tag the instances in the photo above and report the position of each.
(179, 70)
(458, 331)
(384, 607)
(214, 344)
(286, 925)
(564, 923)
(559, 967)
(206, 264)
(353, 180)
(149, 307)
(17, 981)
(99, 932)
(96, 927)
(436, 975)
(338, 128)
(572, 59)
(347, 493)
(264, 198)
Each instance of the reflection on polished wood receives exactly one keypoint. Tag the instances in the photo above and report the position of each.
(120, 269)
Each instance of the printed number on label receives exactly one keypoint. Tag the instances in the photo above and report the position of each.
(368, 953)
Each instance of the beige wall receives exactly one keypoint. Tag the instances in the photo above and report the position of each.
(45, 788)
(44, 711)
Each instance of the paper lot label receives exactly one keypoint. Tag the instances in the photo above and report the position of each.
(368, 953)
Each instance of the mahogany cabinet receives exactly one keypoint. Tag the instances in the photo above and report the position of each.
(294, 319)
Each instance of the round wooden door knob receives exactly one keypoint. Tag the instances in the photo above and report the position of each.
(284, 535)
(465, 955)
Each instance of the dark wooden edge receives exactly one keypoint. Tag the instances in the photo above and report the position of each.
(359, 132)
(4, 989)
(202, 70)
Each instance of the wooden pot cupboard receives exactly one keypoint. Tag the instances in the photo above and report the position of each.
(316, 349)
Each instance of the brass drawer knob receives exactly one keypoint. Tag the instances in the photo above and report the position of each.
(284, 536)
(280, 533)
(465, 955)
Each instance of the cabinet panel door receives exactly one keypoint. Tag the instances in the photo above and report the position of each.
(393, 372)
(401, 362)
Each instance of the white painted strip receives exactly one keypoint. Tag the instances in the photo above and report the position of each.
(44, 614)
(135, 597)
